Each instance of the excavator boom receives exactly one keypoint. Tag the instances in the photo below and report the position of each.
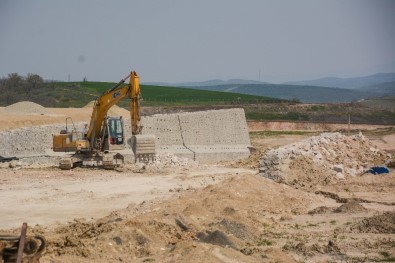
(111, 97)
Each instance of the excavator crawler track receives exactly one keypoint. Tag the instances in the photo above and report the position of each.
(66, 163)
(108, 162)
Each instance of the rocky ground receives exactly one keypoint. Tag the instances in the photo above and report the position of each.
(296, 199)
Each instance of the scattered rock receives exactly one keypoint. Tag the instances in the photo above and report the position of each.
(182, 225)
(117, 240)
(321, 210)
(384, 223)
(350, 207)
(171, 160)
(338, 168)
(229, 211)
(340, 176)
(239, 230)
(216, 238)
(15, 164)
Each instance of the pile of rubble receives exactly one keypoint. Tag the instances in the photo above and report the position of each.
(171, 160)
(320, 159)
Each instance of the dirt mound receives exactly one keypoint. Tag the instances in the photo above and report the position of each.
(114, 110)
(384, 223)
(239, 230)
(26, 107)
(208, 215)
(321, 210)
(252, 161)
(90, 104)
(310, 250)
(350, 207)
(347, 208)
(320, 160)
(215, 237)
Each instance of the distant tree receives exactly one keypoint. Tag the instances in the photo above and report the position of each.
(296, 100)
(33, 80)
(84, 79)
(14, 79)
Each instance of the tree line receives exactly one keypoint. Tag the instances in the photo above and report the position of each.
(15, 88)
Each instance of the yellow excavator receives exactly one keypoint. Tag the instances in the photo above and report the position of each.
(106, 134)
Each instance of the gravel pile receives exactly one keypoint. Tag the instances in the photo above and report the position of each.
(171, 160)
(26, 107)
(320, 159)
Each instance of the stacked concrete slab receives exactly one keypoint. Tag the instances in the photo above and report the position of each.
(208, 136)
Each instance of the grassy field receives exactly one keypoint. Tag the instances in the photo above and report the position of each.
(291, 115)
(158, 99)
(383, 103)
(160, 96)
(259, 134)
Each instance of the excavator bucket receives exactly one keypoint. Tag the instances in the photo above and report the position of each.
(143, 147)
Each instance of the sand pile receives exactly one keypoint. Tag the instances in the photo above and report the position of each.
(26, 107)
(113, 111)
(89, 105)
(320, 159)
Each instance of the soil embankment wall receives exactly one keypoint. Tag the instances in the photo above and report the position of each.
(307, 126)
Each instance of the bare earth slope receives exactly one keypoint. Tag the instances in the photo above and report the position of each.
(185, 212)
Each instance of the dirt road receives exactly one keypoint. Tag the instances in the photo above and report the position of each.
(55, 196)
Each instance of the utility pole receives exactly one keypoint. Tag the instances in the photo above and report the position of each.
(349, 119)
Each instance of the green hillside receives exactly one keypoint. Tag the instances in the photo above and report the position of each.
(164, 96)
(171, 99)
(78, 94)
(308, 94)
(156, 95)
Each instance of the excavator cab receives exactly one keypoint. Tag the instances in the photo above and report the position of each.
(113, 137)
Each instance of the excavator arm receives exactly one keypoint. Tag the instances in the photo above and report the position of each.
(134, 103)
(111, 97)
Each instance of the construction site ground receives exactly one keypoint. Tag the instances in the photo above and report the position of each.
(224, 212)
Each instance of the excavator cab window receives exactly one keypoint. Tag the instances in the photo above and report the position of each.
(115, 129)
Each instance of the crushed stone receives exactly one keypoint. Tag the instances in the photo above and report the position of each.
(171, 160)
(320, 160)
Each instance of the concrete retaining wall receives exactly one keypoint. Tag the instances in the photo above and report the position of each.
(208, 136)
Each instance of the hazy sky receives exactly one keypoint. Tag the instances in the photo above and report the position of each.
(182, 40)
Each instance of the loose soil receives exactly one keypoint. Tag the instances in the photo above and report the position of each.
(216, 213)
